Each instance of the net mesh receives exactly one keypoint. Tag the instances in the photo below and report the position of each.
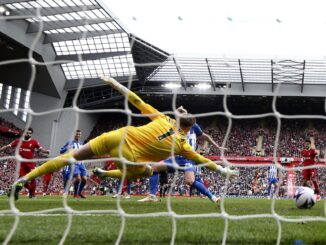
(119, 67)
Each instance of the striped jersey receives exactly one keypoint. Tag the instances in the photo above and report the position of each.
(71, 145)
(272, 172)
(194, 132)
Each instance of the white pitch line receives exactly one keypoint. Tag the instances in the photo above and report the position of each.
(54, 215)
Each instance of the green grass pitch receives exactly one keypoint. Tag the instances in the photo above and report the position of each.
(101, 228)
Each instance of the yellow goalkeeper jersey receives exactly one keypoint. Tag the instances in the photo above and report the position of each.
(153, 142)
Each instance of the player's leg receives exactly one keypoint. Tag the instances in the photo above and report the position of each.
(66, 184)
(127, 188)
(33, 188)
(107, 143)
(191, 181)
(45, 185)
(31, 185)
(132, 172)
(53, 165)
(83, 175)
(161, 192)
(24, 169)
(67, 176)
(305, 177)
(31, 167)
(57, 163)
(313, 174)
(110, 143)
(190, 191)
(117, 189)
(269, 188)
(276, 189)
(165, 189)
(14, 190)
(153, 181)
(46, 182)
(77, 180)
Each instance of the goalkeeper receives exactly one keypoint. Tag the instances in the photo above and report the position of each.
(139, 146)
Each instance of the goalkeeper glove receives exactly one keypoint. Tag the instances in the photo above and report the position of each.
(227, 172)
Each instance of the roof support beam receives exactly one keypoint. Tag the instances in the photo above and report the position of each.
(90, 56)
(46, 11)
(272, 74)
(241, 75)
(303, 70)
(73, 84)
(253, 89)
(183, 80)
(49, 38)
(52, 25)
(211, 75)
(12, 1)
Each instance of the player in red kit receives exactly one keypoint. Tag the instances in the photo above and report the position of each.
(26, 151)
(126, 185)
(46, 182)
(309, 154)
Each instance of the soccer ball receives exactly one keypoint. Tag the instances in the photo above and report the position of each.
(304, 197)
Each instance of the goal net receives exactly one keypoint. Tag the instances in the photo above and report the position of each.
(259, 112)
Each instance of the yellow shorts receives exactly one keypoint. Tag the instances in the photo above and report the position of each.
(109, 143)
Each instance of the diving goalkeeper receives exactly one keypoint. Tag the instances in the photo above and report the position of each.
(139, 146)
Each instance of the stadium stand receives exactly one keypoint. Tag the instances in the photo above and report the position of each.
(242, 141)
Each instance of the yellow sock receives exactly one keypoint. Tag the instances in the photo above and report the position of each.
(114, 174)
(49, 166)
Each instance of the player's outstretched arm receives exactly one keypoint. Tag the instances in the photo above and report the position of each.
(232, 174)
(198, 159)
(116, 85)
(208, 138)
(132, 97)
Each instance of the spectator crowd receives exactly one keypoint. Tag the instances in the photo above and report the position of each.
(241, 139)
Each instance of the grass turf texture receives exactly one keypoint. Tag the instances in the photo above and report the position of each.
(104, 228)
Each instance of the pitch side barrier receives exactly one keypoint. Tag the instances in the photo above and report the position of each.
(286, 161)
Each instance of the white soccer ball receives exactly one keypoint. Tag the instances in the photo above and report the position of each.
(304, 197)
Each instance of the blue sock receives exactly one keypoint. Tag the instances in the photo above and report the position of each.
(153, 182)
(118, 186)
(190, 191)
(76, 186)
(202, 189)
(81, 187)
(128, 188)
(269, 189)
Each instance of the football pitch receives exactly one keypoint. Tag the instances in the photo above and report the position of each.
(99, 227)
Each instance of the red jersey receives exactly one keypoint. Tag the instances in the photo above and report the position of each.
(27, 147)
(206, 183)
(309, 156)
(110, 165)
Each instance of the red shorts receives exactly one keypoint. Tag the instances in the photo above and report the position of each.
(309, 173)
(25, 168)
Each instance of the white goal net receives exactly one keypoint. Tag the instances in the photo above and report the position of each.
(260, 111)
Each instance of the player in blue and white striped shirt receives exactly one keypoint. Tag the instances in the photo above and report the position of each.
(272, 179)
(193, 134)
(80, 172)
